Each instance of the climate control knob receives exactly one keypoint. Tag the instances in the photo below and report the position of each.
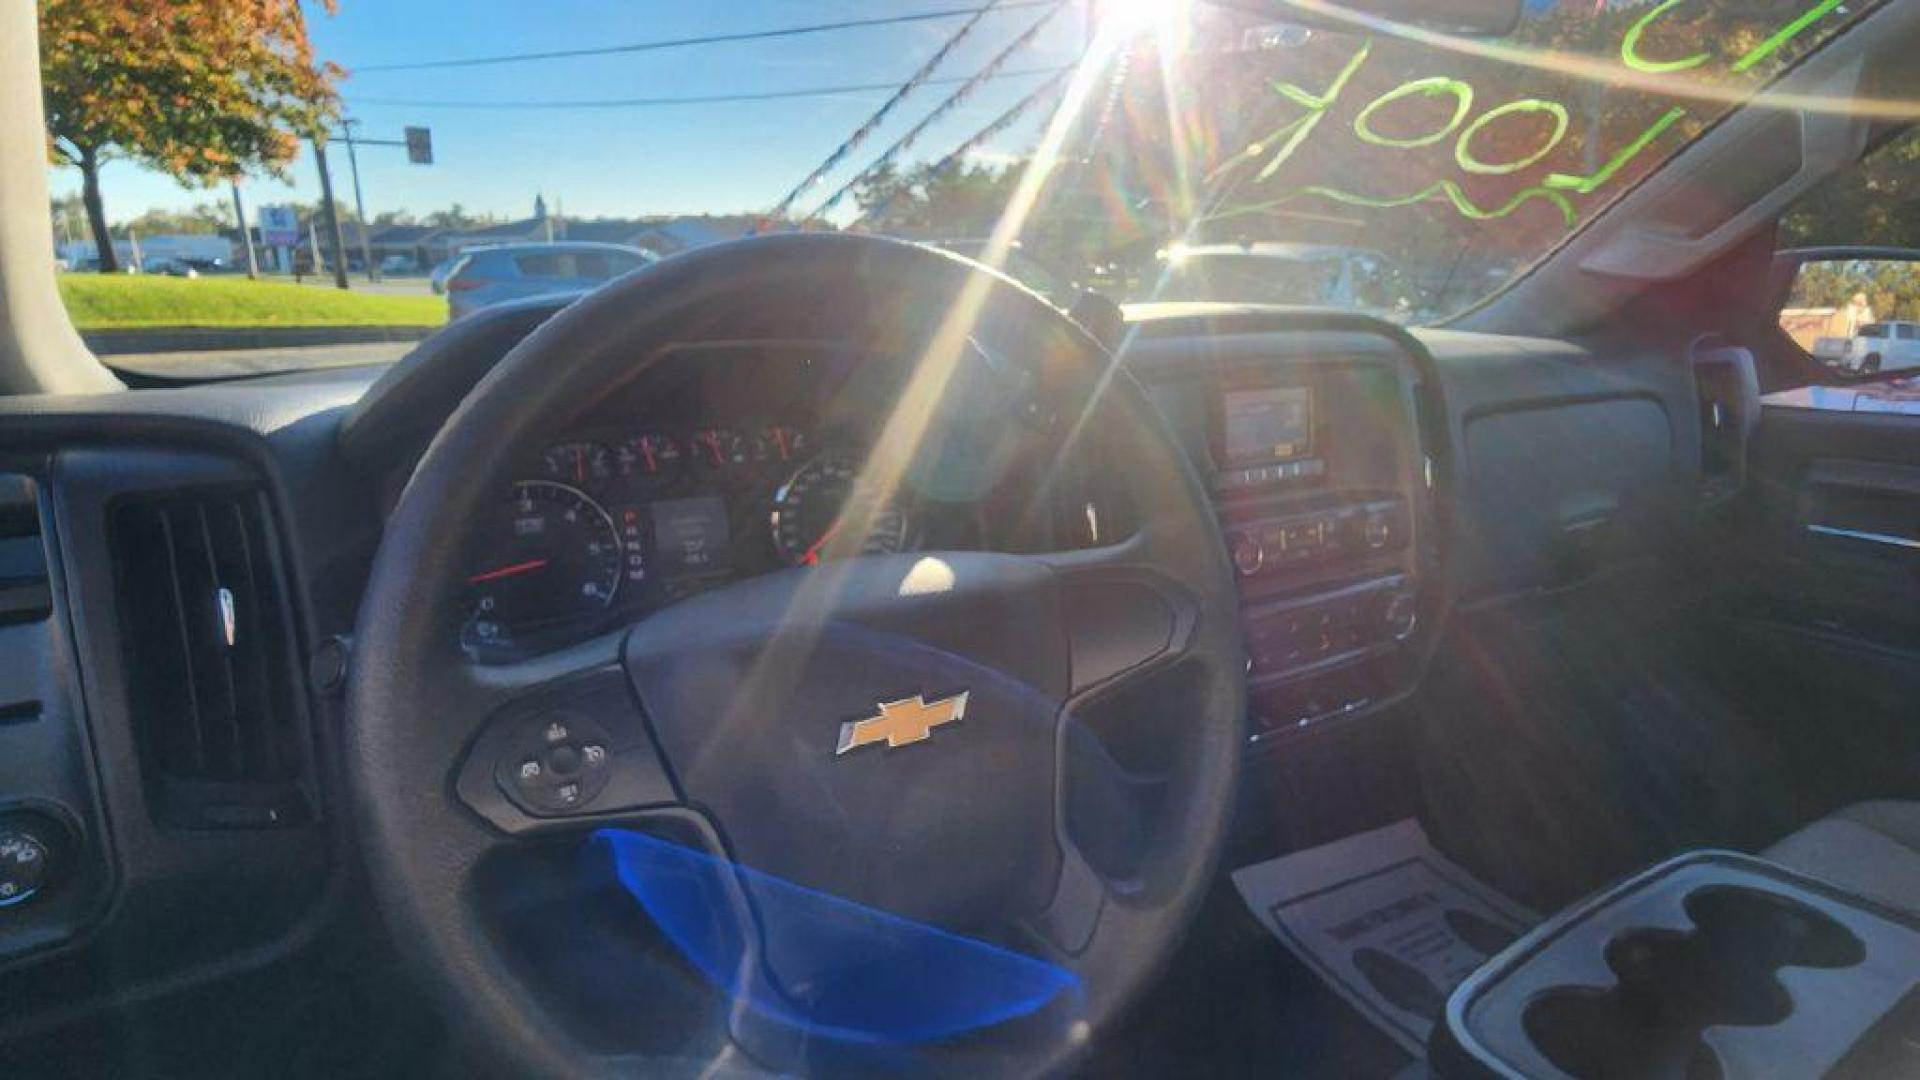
(1248, 555)
(1400, 614)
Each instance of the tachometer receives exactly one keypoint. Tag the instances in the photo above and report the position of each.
(553, 556)
(824, 512)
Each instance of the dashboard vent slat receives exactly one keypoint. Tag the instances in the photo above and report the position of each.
(207, 638)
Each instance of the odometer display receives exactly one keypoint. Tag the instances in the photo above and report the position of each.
(554, 556)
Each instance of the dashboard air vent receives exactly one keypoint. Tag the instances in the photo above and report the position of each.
(208, 644)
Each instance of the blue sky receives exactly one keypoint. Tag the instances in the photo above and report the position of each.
(620, 162)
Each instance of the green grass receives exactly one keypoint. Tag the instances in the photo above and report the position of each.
(101, 302)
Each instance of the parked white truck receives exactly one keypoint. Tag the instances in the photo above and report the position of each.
(1881, 346)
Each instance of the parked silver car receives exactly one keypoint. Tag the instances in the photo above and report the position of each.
(482, 277)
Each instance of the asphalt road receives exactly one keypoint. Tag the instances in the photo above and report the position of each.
(237, 363)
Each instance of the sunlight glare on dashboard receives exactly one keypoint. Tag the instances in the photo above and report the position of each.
(928, 577)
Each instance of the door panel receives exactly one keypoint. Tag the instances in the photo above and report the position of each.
(1837, 528)
(1818, 573)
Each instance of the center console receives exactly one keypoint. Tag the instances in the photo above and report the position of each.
(1713, 965)
(1317, 475)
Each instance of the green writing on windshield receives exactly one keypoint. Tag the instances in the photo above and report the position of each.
(1280, 147)
(1438, 86)
(1316, 106)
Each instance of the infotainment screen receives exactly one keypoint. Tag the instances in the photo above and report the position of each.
(1269, 424)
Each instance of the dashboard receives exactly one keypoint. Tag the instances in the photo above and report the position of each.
(1362, 480)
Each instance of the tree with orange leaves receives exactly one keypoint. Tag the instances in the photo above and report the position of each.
(204, 90)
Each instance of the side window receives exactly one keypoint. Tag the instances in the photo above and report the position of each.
(1858, 316)
(545, 264)
(593, 265)
(485, 267)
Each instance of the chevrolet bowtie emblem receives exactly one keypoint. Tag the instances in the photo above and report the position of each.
(902, 723)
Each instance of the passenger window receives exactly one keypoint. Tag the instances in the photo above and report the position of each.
(1838, 312)
(593, 265)
(1858, 315)
(544, 265)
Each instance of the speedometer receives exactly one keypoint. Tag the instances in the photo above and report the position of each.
(824, 512)
(553, 556)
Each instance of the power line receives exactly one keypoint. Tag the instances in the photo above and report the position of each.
(914, 82)
(987, 71)
(709, 39)
(973, 142)
(703, 99)
(1002, 122)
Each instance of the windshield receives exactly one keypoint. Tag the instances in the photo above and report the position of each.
(1147, 150)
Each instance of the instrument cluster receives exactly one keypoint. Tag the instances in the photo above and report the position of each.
(605, 524)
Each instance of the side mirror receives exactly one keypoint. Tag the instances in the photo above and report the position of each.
(1854, 310)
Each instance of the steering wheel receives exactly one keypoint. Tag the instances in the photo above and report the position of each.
(1069, 810)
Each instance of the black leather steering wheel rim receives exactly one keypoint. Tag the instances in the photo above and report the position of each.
(416, 703)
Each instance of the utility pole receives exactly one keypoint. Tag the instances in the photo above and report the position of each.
(359, 204)
(246, 237)
(336, 244)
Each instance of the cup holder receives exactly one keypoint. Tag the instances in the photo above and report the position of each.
(1672, 985)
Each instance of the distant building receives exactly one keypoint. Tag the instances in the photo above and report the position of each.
(422, 246)
(670, 236)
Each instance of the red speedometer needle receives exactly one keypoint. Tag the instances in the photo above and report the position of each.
(516, 569)
(812, 557)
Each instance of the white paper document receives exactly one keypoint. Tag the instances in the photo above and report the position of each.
(1389, 922)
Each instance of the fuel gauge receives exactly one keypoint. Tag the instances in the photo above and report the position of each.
(651, 459)
(582, 464)
(724, 450)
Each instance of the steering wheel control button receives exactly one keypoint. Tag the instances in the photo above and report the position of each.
(23, 866)
(564, 760)
(555, 766)
(573, 749)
